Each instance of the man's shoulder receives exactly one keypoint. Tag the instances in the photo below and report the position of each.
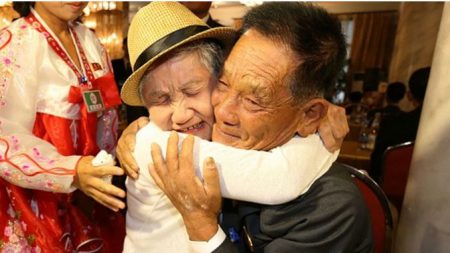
(337, 177)
(332, 191)
(337, 172)
(332, 214)
(335, 184)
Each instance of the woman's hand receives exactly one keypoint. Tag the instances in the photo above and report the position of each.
(125, 147)
(90, 180)
(333, 128)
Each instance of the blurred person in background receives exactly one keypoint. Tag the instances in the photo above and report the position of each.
(122, 66)
(122, 70)
(201, 10)
(394, 93)
(403, 127)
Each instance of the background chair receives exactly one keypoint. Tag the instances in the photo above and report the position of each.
(395, 170)
(378, 206)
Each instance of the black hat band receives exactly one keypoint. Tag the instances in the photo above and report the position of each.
(167, 42)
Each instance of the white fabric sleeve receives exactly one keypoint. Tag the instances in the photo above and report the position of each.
(271, 178)
(208, 246)
(25, 160)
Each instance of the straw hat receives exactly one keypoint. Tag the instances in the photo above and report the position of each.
(158, 28)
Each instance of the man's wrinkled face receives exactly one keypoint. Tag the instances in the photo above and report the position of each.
(253, 106)
(177, 94)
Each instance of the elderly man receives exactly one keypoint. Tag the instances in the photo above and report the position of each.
(271, 90)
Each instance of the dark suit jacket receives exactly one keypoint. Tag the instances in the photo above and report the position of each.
(388, 111)
(393, 130)
(330, 217)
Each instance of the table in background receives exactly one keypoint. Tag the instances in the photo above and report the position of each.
(353, 155)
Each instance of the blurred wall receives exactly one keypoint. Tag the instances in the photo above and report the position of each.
(230, 12)
(417, 31)
(425, 218)
(355, 6)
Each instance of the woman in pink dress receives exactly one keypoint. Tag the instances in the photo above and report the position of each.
(57, 110)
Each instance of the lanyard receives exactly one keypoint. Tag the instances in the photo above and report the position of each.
(53, 43)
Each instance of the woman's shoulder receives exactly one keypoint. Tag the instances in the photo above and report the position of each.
(19, 26)
(18, 34)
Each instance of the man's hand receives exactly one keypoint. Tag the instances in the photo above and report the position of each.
(198, 202)
(89, 179)
(333, 128)
(125, 147)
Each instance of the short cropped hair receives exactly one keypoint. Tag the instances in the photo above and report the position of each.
(211, 55)
(314, 35)
(418, 83)
(395, 92)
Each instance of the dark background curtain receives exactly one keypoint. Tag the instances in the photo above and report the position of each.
(373, 41)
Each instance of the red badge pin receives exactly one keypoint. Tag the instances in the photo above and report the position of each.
(96, 66)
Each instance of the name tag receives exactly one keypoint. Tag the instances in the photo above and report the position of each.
(93, 100)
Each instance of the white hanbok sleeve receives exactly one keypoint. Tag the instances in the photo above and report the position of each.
(273, 177)
(26, 160)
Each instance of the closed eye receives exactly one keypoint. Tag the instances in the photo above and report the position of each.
(251, 104)
(163, 99)
(191, 92)
(222, 85)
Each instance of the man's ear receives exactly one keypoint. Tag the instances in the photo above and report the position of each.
(312, 113)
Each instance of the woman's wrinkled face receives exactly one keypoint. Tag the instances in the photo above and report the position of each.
(66, 11)
(177, 94)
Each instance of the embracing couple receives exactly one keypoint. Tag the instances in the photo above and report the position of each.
(258, 95)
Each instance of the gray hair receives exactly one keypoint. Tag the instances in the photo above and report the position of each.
(211, 56)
